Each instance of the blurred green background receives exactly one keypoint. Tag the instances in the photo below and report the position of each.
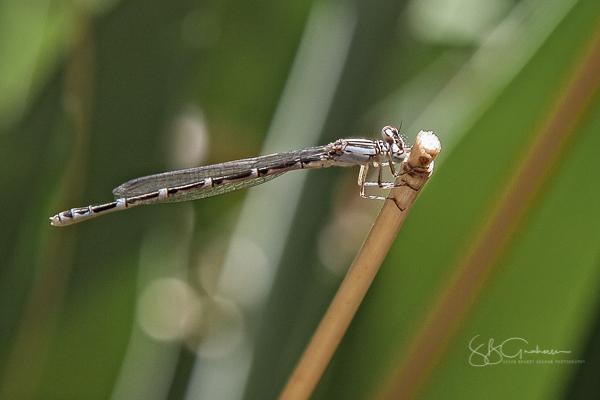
(216, 299)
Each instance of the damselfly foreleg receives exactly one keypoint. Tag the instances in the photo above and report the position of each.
(363, 182)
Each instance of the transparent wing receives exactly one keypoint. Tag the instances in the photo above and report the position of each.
(151, 183)
(220, 189)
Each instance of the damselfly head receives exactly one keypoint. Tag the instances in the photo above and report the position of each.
(397, 148)
(390, 134)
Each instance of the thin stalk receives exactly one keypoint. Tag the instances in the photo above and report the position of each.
(417, 168)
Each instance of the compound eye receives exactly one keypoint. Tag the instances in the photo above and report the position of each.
(389, 134)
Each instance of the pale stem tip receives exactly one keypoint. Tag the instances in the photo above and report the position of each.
(427, 145)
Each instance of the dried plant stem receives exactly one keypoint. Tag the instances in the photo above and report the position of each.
(417, 166)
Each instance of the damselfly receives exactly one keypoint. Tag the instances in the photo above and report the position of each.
(212, 180)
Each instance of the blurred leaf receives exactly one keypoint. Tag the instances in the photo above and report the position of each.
(424, 308)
